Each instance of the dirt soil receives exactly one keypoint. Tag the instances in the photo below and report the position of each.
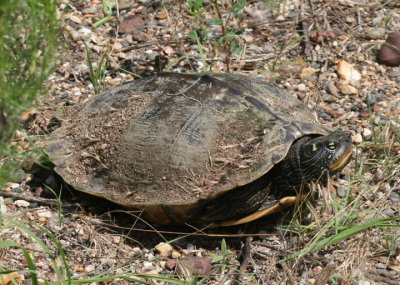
(324, 53)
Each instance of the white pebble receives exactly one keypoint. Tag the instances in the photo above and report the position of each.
(164, 249)
(45, 214)
(366, 132)
(147, 265)
(301, 87)
(22, 203)
(190, 247)
(358, 138)
(150, 256)
(85, 31)
(280, 18)
(382, 104)
(64, 243)
(89, 267)
(176, 254)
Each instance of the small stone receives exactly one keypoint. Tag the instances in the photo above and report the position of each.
(325, 116)
(307, 72)
(168, 50)
(170, 264)
(6, 280)
(317, 269)
(190, 265)
(125, 4)
(358, 138)
(80, 231)
(84, 31)
(22, 203)
(301, 87)
(347, 89)
(327, 98)
(11, 186)
(147, 265)
(332, 89)
(176, 254)
(91, 10)
(366, 132)
(260, 15)
(351, 47)
(150, 256)
(66, 221)
(347, 72)
(45, 214)
(349, 19)
(311, 281)
(42, 219)
(394, 197)
(131, 24)
(116, 239)
(375, 33)
(280, 18)
(370, 99)
(152, 56)
(341, 191)
(161, 15)
(184, 251)
(190, 247)
(89, 268)
(364, 114)
(164, 249)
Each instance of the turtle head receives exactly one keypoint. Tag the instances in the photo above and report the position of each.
(325, 154)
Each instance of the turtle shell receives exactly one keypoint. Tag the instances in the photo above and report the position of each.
(168, 144)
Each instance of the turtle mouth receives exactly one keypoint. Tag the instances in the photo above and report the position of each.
(341, 162)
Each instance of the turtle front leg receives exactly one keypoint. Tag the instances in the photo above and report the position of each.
(268, 208)
(239, 202)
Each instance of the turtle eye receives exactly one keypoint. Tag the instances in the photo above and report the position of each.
(332, 146)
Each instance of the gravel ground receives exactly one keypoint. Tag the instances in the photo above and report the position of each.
(338, 77)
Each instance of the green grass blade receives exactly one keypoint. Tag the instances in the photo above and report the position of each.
(39, 241)
(91, 72)
(345, 234)
(61, 251)
(29, 261)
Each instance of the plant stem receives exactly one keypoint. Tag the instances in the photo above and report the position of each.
(227, 57)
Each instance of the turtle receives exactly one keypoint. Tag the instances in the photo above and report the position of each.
(205, 148)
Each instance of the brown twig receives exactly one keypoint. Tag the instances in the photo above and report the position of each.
(53, 203)
(223, 29)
